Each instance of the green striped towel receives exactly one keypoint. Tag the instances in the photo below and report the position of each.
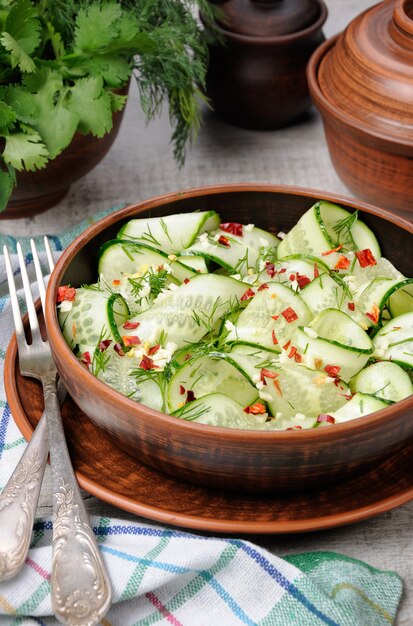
(164, 576)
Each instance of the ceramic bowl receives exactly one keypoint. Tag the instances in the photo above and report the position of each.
(251, 461)
(361, 81)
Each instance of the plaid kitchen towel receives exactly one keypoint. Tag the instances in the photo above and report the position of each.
(165, 576)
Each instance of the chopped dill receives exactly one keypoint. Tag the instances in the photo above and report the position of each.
(342, 229)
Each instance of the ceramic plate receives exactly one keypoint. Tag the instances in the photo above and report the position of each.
(111, 475)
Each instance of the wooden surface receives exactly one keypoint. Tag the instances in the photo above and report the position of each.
(140, 165)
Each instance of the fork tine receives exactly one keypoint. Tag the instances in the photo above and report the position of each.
(49, 253)
(34, 324)
(18, 324)
(39, 273)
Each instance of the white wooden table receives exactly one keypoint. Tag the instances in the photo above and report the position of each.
(140, 165)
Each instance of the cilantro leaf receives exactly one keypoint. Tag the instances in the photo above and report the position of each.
(91, 103)
(18, 55)
(114, 69)
(25, 151)
(94, 26)
(117, 101)
(7, 117)
(17, 97)
(21, 34)
(55, 123)
(7, 182)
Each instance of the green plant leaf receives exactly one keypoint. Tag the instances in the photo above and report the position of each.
(23, 24)
(113, 68)
(17, 97)
(25, 151)
(54, 122)
(7, 183)
(95, 26)
(91, 104)
(7, 117)
(18, 55)
(117, 102)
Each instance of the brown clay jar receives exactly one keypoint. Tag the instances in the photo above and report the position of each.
(256, 76)
(362, 84)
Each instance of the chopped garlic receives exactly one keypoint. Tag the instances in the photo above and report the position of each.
(281, 235)
(249, 227)
(229, 325)
(310, 332)
(66, 306)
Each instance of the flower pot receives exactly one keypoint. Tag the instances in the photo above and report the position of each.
(38, 191)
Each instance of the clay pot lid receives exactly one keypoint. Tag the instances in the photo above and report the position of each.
(368, 73)
(267, 18)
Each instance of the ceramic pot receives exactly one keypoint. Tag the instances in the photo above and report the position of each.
(256, 76)
(362, 84)
(38, 191)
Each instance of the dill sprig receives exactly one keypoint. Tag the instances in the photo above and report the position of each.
(189, 412)
(342, 229)
(100, 357)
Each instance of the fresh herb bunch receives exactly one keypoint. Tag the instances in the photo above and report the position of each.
(62, 63)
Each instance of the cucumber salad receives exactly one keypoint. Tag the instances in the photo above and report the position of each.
(226, 324)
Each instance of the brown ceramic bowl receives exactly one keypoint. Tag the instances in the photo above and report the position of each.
(231, 459)
(361, 81)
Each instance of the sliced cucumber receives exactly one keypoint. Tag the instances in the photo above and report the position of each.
(256, 324)
(171, 233)
(186, 314)
(235, 253)
(93, 313)
(385, 380)
(394, 341)
(213, 373)
(195, 263)
(119, 257)
(323, 228)
(401, 301)
(339, 328)
(359, 405)
(372, 297)
(298, 389)
(218, 409)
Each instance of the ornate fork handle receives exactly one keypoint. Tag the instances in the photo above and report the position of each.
(18, 500)
(81, 590)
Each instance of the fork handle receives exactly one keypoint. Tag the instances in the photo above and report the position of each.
(81, 591)
(19, 498)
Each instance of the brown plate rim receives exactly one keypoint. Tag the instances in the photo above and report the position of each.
(196, 522)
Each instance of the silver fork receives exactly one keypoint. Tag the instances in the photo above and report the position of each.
(80, 587)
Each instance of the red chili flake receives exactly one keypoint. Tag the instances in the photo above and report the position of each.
(118, 348)
(190, 396)
(131, 340)
(232, 227)
(293, 277)
(85, 359)
(275, 317)
(325, 417)
(287, 345)
(182, 390)
(343, 263)
(374, 314)
(332, 370)
(268, 373)
(292, 352)
(282, 270)
(270, 269)
(316, 272)
(302, 280)
(115, 282)
(277, 387)
(65, 293)
(327, 252)
(258, 408)
(289, 315)
(351, 306)
(128, 325)
(224, 241)
(247, 295)
(298, 358)
(186, 281)
(187, 357)
(274, 338)
(154, 349)
(263, 286)
(146, 363)
(104, 345)
(347, 396)
(366, 258)
(297, 427)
